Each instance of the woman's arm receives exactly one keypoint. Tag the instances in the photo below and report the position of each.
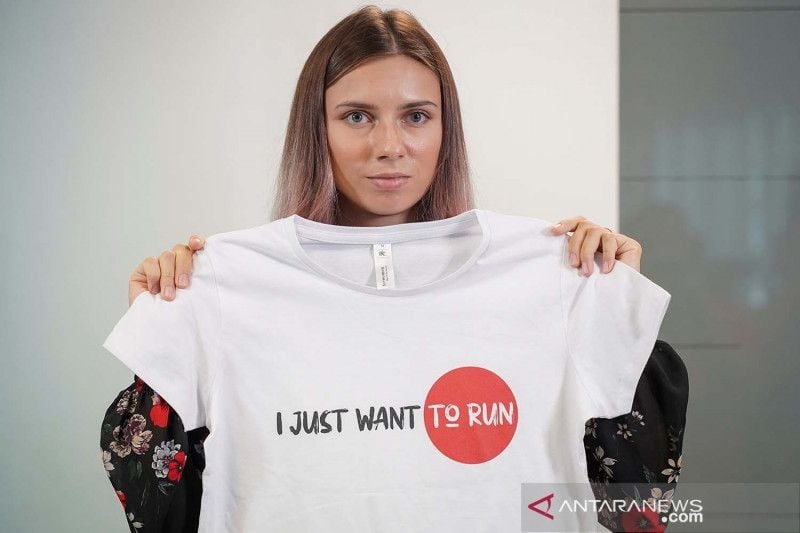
(154, 466)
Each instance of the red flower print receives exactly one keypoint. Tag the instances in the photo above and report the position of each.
(159, 413)
(169, 460)
(122, 498)
(176, 467)
(644, 520)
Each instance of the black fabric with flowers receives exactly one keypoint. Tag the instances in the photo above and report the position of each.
(156, 467)
(643, 448)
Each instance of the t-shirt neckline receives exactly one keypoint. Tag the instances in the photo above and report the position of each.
(295, 226)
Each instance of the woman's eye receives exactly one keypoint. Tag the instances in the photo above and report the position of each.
(355, 113)
(422, 116)
(357, 117)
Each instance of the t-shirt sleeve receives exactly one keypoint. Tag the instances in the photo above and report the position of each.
(612, 322)
(173, 345)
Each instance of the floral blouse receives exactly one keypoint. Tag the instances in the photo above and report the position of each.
(156, 466)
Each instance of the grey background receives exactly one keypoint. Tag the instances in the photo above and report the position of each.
(710, 181)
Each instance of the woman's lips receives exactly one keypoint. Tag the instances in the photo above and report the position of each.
(389, 184)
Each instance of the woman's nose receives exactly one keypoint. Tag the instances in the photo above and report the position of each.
(389, 140)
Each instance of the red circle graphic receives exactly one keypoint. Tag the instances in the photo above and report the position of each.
(470, 414)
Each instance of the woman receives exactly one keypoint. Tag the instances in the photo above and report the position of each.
(374, 139)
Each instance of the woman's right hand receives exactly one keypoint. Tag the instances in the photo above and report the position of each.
(158, 274)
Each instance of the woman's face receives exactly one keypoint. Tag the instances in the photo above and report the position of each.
(383, 117)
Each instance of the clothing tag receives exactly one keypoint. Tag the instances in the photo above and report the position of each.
(384, 270)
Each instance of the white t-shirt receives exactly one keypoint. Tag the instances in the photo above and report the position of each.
(423, 405)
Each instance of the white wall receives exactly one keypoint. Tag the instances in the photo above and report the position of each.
(128, 125)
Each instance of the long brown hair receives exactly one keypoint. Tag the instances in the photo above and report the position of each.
(305, 183)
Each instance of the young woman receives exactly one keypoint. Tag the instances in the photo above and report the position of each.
(374, 139)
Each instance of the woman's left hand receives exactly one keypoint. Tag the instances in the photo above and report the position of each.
(588, 238)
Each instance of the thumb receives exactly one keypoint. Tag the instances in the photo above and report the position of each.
(135, 288)
(630, 253)
(196, 242)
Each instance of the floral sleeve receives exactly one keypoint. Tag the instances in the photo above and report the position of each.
(154, 465)
(644, 447)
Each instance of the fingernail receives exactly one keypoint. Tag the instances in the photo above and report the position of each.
(585, 269)
(169, 293)
(183, 280)
(607, 267)
(573, 259)
(555, 226)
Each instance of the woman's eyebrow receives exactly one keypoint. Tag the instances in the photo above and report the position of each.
(364, 105)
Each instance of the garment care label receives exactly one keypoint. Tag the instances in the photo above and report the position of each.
(384, 270)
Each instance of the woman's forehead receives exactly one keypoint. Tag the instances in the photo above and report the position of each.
(386, 82)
